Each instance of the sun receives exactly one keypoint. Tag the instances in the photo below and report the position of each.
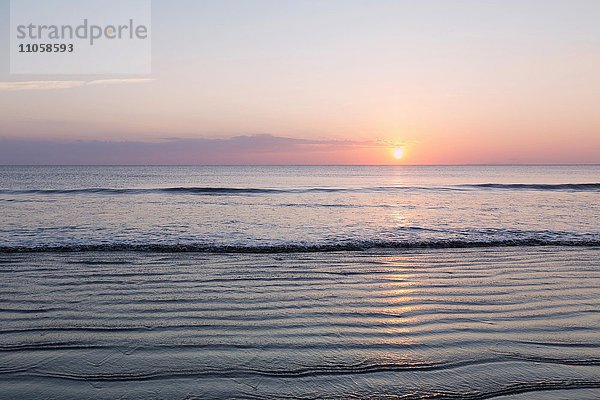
(398, 153)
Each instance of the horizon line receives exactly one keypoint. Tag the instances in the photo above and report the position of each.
(310, 165)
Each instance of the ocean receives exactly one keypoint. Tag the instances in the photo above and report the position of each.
(300, 282)
(296, 208)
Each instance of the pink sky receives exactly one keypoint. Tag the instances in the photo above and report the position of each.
(337, 82)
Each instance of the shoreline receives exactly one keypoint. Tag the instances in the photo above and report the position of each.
(444, 323)
(297, 249)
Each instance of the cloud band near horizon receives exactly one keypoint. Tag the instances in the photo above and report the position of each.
(237, 150)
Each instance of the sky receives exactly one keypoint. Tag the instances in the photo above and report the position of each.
(326, 82)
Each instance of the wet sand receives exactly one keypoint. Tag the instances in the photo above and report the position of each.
(514, 322)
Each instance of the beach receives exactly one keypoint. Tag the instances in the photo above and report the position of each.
(513, 322)
(300, 200)
(300, 282)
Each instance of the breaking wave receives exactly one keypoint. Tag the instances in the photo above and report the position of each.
(224, 191)
(301, 248)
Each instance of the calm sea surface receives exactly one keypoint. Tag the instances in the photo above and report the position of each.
(300, 282)
(270, 208)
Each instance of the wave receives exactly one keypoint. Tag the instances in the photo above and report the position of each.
(117, 191)
(224, 191)
(512, 389)
(575, 187)
(207, 191)
(246, 372)
(300, 248)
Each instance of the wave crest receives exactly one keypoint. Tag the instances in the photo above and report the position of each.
(224, 191)
(298, 248)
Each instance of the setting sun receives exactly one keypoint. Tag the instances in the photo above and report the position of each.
(398, 153)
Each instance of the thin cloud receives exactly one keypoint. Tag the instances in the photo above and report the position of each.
(119, 81)
(244, 149)
(50, 85)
